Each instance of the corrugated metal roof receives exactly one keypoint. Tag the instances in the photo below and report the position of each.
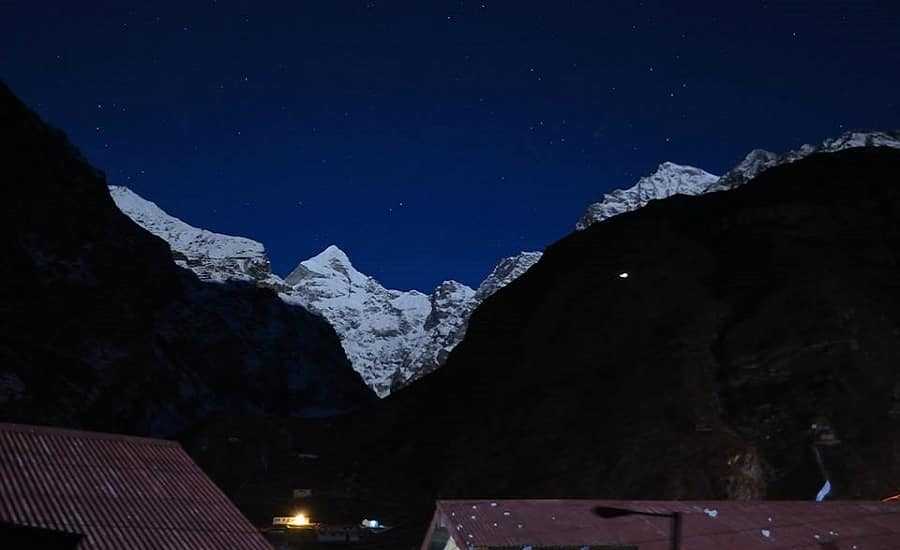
(119, 491)
(712, 525)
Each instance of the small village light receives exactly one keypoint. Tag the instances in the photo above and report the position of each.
(608, 512)
(300, 520)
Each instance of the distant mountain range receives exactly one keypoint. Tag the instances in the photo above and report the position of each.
(674, 179)
(392, 337)
(738, 345)
(750, 353)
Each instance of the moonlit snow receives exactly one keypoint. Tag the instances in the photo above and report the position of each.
(674, 179)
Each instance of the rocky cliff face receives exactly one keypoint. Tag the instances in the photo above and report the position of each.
(379, 328)
(506, 271)
(671, 179)
(100, 329)
(392, 337)
(452, 305)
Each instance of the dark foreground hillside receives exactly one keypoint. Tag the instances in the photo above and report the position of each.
(755, 328)
(752, 324)
(99, 329)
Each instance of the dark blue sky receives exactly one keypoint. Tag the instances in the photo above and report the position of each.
(428, 139)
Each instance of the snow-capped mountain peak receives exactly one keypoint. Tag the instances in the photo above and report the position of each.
(379, 327)
(668, 179)
(331, 262)
(330, 258)
(212, 256)
(183, 237)
(395, 336)
(392, 337)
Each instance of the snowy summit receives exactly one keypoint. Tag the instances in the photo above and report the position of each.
(667, 180)
(212, 256)
(391, 336)
(673, 179)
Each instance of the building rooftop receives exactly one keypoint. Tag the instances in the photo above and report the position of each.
(711, 525)
(117, 491)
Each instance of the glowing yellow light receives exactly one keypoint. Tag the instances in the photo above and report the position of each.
(300, 520)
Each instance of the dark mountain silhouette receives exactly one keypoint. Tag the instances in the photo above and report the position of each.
(755, 329)
(752, 349)
(756, 333)
(99, 329)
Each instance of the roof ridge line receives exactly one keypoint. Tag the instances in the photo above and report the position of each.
(70, 432)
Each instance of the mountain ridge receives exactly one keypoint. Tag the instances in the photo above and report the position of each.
(392, 337)
(395, 337)
(212, 256)
(756, 330)
(101, 330)
(674, 179)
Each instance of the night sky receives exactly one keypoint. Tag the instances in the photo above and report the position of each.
(428, 139)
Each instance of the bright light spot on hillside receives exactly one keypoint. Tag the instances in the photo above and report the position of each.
(300, 520)
(623, 275)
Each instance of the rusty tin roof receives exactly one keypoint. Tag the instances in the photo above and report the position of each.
(712, 525)
(118, 491)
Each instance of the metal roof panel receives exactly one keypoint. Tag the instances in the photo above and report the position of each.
(709, 525)
(119, 491)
